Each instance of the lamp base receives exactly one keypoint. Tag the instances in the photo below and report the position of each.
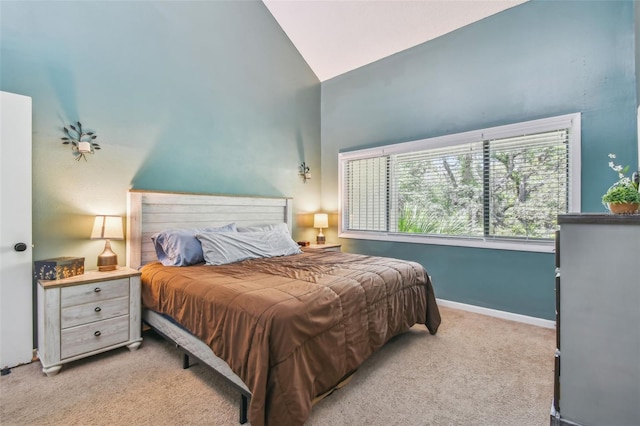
(108, 260)
(320, 239)
(105, 268)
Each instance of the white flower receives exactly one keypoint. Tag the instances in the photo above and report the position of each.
(622, 180)
(613, 166)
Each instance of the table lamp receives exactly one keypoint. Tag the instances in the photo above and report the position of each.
(320, 220)
(107, 228)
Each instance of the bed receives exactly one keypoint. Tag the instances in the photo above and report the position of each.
(284, 330)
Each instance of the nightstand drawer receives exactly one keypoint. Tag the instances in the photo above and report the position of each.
(93, 336)
(94, 292)
(95, 311)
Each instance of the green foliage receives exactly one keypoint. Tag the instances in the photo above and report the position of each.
(445, 194)
(527, 191)
(620, 193)
(415, 221)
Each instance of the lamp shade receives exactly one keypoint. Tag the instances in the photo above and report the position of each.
(320, 220)
(107, 227)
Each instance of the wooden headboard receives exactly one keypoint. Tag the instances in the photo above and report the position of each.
(149, 212)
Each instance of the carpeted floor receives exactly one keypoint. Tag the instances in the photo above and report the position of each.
(477, 370)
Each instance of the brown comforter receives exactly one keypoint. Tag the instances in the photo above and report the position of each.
(292, 327)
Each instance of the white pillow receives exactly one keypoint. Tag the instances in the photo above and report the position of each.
(228, 247)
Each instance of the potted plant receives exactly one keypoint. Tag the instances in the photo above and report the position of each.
(623, 196)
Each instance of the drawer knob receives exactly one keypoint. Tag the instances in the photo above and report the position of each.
(97, 333)
(97, 289)
(97, 309)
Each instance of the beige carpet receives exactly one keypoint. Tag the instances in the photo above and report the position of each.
(477, 370)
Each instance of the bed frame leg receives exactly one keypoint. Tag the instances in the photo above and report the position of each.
(244, 403)
(185, 361)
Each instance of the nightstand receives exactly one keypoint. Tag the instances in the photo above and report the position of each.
(87, 314)
(325, 247)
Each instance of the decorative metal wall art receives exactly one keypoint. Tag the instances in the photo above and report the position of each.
(82, 143)
(304, 172)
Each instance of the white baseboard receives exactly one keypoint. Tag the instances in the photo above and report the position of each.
(498, 314)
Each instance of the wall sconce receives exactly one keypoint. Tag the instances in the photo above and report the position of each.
(107, 228)
(320, 220)
(81, 142)
(305, 172)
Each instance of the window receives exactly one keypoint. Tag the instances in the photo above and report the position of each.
(501, 187)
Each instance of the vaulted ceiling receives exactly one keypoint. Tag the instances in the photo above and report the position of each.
(336, 36)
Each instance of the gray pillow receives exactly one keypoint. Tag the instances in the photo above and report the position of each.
(282, 227)
(229, 247)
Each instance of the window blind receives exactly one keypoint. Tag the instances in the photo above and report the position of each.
(367, 194)
(527, 184)
(503, 183)
(438, 191)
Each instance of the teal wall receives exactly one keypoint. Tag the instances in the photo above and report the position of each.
(535, 60)
(189, 96)
(637, 49)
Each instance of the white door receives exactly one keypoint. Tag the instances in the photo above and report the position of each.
(16, 317)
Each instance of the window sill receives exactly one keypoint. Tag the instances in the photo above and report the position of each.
(531, 246)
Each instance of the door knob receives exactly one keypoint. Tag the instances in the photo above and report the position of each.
(20, 247)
